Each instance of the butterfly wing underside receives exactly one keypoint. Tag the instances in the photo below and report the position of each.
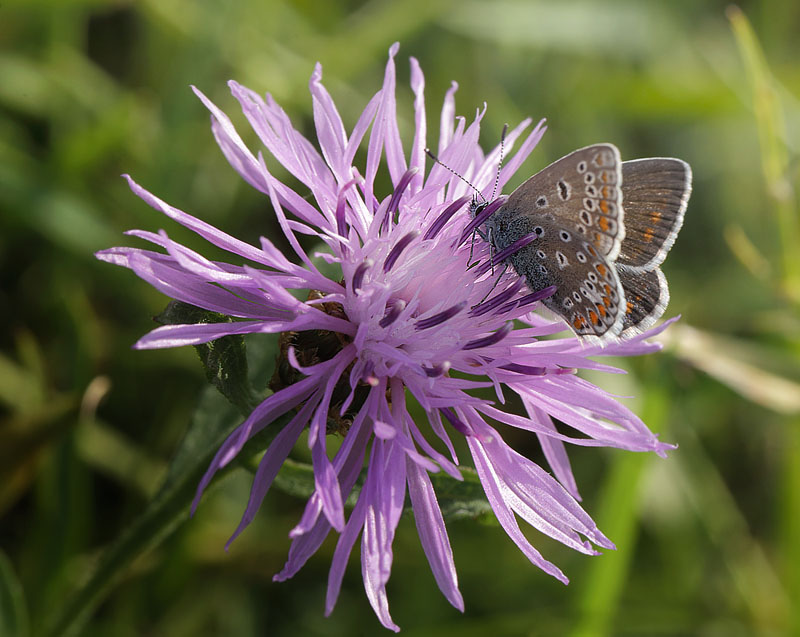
(655, 193)
(574, 206)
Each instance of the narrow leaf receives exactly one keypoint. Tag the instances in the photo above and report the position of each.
(13, 613)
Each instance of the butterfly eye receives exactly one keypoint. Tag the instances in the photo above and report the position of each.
(565, 236)
(581, 257)
(582, 167)
(539, 231)
(541, 254)
(476, 207)
(588, 178)
(563, 189)
(541, 202)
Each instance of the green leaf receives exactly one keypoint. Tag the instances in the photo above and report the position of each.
(462, 499)
(164, 514)
(13, 613)
(624, 29)
(213, 421)
(457, 499)
(775, 155)
(224, 360)
(618, 514)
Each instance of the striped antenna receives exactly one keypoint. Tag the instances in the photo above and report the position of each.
(430, 154)
(500, 163)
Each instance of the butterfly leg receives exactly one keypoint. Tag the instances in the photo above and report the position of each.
(470, 263)
(496, 281)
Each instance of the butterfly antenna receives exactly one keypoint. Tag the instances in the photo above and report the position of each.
(500, 163)
(430, 154)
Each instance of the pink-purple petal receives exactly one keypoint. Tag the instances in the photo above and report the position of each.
(417, 159)
(386, 494)
(554, 451)
(205, 230)
(344, 547)
(181, 286)
(433, 534)
(505, 516)
(197, 334)
(271, 463)
(330, 128)
(273, 407)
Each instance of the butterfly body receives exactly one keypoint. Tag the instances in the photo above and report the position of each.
(601, 228)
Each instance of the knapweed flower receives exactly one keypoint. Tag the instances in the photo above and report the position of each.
(406, 318)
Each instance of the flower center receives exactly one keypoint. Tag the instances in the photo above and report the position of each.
(312, 347)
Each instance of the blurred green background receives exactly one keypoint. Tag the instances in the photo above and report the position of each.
(708, 540)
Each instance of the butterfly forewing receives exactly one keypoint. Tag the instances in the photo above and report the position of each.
(583, 190)
(574, 207)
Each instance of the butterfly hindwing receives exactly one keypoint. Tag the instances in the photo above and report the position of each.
(646, 297)
(592, 305)
(655, 193)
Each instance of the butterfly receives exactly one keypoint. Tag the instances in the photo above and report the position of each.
(601, 229)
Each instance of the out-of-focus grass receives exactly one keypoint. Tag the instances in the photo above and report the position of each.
(88, 90)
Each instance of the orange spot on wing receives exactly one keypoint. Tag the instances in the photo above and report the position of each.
(648, 235)
(606, 300)
(604, 206)
(602, 270)
(603, 223)
(628, 307)
(578, 322)
(604, 158)
(594, 317)
(655, 216)
(606, 192)
(602, 310)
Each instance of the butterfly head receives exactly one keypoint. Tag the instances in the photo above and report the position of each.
(477, 206)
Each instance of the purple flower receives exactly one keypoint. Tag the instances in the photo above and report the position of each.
(404, 312)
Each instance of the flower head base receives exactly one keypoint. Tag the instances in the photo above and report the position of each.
(407, 317)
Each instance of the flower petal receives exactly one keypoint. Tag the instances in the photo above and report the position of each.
(432, 533)
(271, 463)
